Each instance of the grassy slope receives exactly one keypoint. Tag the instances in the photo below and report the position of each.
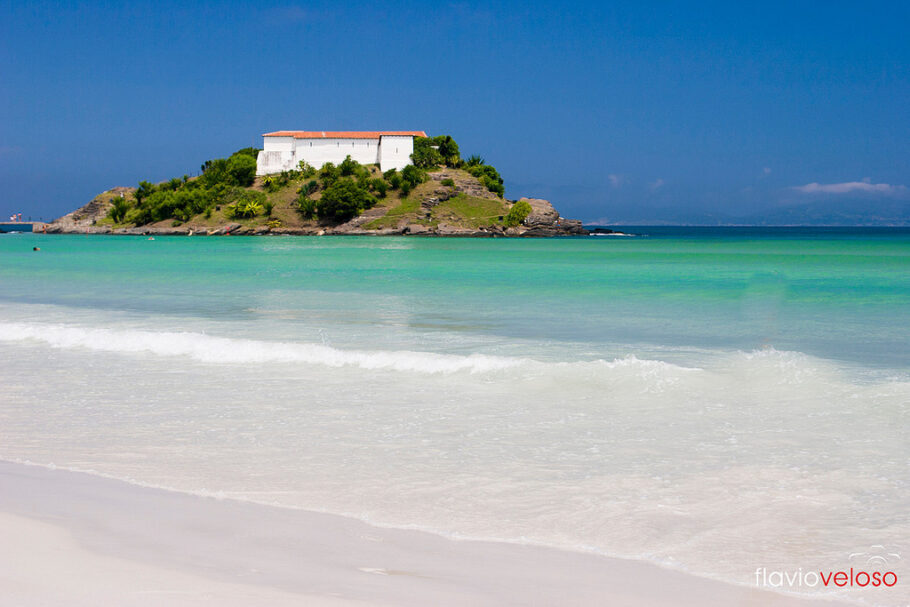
(461, 210)
(401, 211)
(469, 211)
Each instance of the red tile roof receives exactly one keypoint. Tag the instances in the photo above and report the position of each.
(343, 134)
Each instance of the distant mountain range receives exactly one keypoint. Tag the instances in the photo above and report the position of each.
(846, 212)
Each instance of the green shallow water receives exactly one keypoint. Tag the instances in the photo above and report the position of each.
(841, 294)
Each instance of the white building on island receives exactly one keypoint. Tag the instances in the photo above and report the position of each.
(283, 150)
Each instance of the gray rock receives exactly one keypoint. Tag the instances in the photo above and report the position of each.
(228, 229)
(573, 226)
(415, 229)
(542, 213)
(446, 229)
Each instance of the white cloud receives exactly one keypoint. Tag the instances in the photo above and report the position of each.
(616, 180)
(656, 185)
(865, 186)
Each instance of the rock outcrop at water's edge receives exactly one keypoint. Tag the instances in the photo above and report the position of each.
(545, 220)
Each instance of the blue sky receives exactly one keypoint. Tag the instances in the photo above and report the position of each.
(611, 110)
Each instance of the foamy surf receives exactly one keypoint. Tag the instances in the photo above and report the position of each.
(224, 350)
(212, 349)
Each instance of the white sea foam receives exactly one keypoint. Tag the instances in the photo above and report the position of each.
(213, 349)
(226, 350)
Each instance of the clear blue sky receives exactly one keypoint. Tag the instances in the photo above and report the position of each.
(608, 109)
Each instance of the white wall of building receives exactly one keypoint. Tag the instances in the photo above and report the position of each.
(395, 152)
(277, 144)
(317, 152)
(284, 153)
(277, 155)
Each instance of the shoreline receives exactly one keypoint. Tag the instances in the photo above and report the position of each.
(241, 230)
(132, 544)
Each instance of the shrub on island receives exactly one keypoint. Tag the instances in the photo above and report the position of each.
(119, 208)
(425, 155)
(518, 213)
(306, 170)
(306, 207)
(431, 152)
(239, 170)
(249, 203)
(413, 175)
(251, 152)
(379, 186)
(343, 200)
(328, 174)
(488, 177)
(393, 177)
(350, 167)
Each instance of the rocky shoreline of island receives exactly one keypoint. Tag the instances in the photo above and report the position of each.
(543, 221)
(568, 228)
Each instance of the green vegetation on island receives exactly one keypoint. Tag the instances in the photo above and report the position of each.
(518, 213)
(227, 188)
(439, 193)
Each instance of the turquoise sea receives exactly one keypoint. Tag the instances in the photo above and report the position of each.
(712, 399)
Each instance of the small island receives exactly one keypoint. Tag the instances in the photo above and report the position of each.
(429, 190)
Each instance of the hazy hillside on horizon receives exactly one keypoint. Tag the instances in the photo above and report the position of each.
(852, 212)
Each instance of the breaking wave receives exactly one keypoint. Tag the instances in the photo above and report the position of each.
(212, 349)
(780, 367)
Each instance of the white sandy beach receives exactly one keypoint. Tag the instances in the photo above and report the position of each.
(70, 538)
